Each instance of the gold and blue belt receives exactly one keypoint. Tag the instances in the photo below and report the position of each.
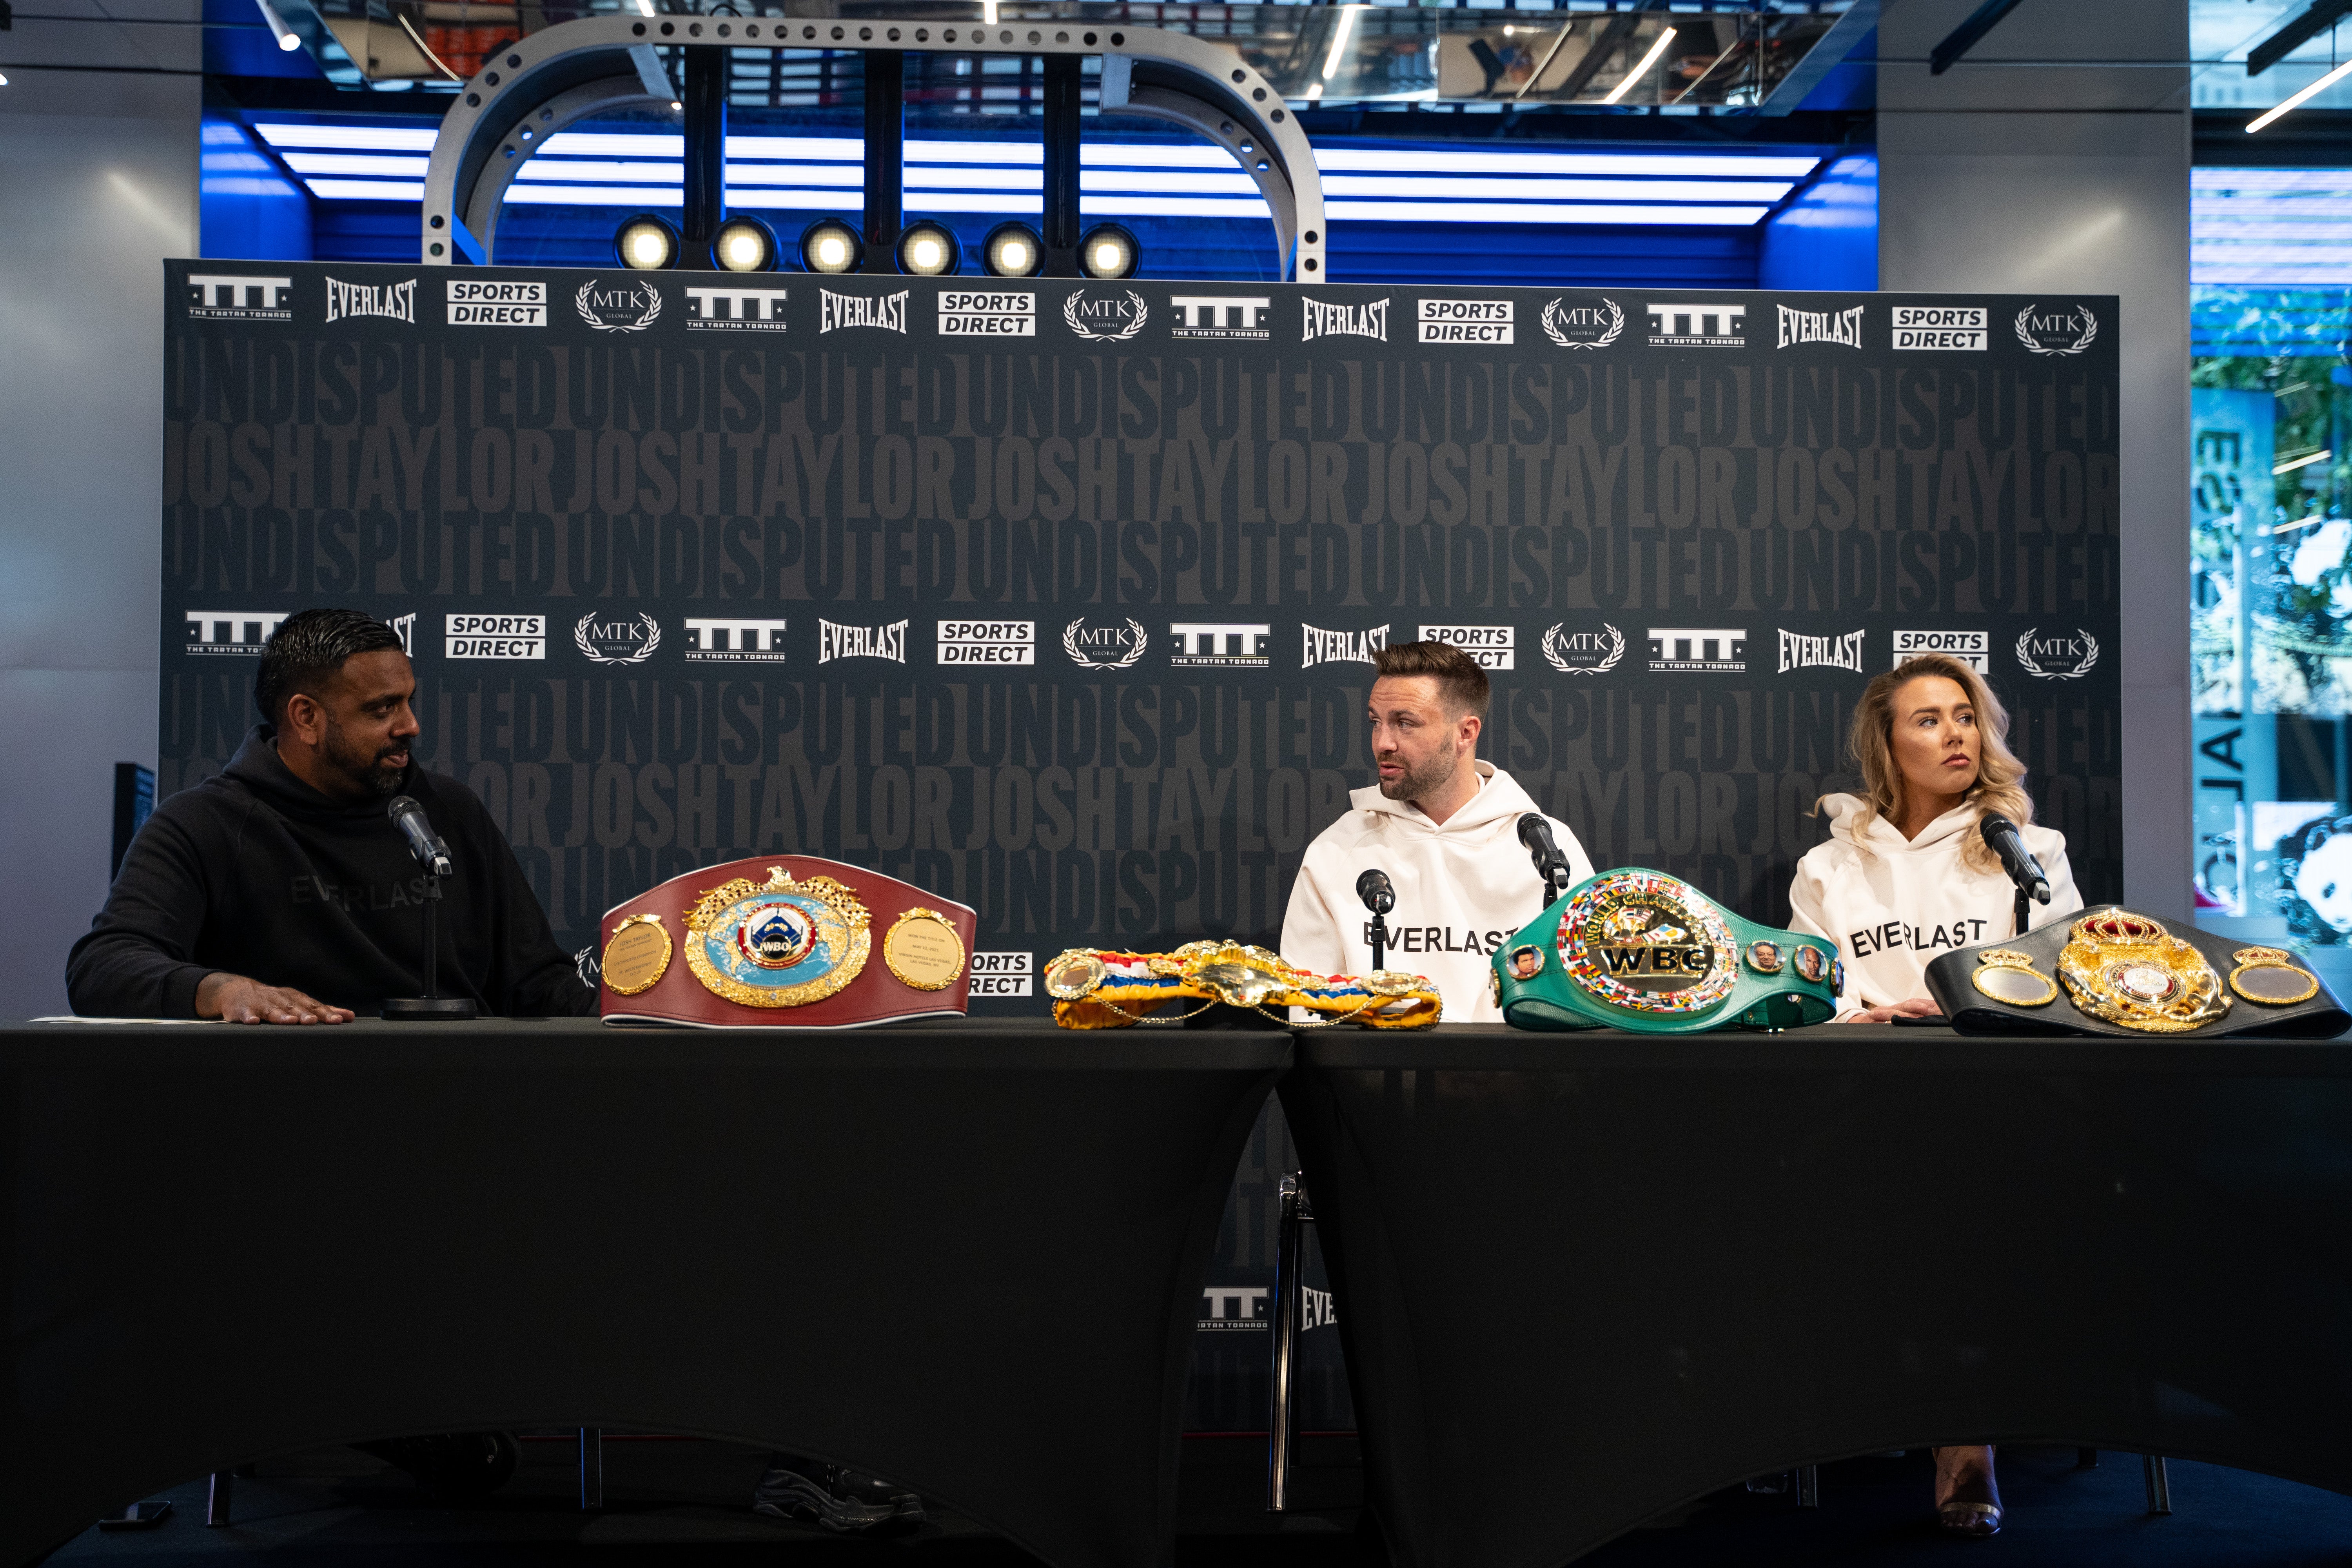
(1639, 949)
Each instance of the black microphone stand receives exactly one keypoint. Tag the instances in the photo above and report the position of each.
(1380, 940)
(430, 1006)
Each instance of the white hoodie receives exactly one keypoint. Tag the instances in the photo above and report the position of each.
(1913, 899)
(1463, 888)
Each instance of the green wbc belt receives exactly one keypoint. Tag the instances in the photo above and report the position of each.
(1639, 949)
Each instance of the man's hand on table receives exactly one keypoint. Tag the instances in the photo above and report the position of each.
(243, 1001)
(1909, 1007)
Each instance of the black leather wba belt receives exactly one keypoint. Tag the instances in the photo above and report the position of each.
(2111, 972)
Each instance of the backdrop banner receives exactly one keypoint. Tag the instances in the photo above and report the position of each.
(1059, 598)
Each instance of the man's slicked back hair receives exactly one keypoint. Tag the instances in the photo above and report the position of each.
(308, 650)
(1461, 685)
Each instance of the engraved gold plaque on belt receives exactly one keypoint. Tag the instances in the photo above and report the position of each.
(638, 956)
(2008, 976)
(2269, 976)
(923, 950)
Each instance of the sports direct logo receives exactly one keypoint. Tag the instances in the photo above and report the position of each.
(1842, 328)
(1327, 321)
(1319, 646)
(988, 642)
(395, 301)
(1940, 326)
(231, 631)
(496, 637)
(965, 313)
(1800, 652)
(1466, 321)
(498, 304)
(836, 641)
(1003, 973)
(1494, 647)
(710, 640)
(1971, 648)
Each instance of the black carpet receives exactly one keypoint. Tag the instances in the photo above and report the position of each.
(673, 1501)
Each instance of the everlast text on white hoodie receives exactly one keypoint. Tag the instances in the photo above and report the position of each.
(1912, 900)
(1463, 888)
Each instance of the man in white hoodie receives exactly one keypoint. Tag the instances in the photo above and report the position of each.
(1443, 825)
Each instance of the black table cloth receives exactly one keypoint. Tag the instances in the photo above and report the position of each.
(966, 1256)
(1584, 1279)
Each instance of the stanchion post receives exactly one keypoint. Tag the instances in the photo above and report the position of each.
(705, 152)
(1061, 139)
(1289, 1258)
(886, 157)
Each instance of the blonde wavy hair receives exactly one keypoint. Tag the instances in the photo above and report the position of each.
(2001, 778)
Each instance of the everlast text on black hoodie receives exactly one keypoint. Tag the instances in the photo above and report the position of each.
(255, 873)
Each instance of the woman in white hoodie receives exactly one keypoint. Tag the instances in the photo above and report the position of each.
(1906, 876)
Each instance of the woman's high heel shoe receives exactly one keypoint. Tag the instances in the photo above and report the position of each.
(1973, 1509)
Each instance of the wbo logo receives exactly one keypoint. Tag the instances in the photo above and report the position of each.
(629, 310)
(616, 640)
(2058, 657)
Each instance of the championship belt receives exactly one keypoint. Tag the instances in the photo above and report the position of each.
(785, 941)
(1641, 951)
(1096, 989)
(2125, 973)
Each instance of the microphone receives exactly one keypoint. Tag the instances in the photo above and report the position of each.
(423, 842)
(1373, 887)
(1535, 835)
(2001, 834)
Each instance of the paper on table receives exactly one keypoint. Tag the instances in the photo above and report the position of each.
(116, 1021)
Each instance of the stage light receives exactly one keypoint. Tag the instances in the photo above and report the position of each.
(927, 249)
(646, 244)
(1109, 251)
(288, 38)
(744, 244)
(1012, 250)
(829, 244)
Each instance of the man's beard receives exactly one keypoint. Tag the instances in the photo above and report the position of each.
(1428, 779)
(366, 770)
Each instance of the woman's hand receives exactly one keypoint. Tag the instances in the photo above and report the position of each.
(1909, 1007)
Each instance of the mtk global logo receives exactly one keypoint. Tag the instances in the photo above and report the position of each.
(1971, 648)
(1319, 646)
(616, 639)
(1842, 328)
(1105, 646)
(735, 310)
(1221, 316)
(1494, 647)
(1799, 651)
(1715, 326)
(988, 642)
(2057, 331)
(475, 304)
(1003, 973)
(836, 312)
(971, 313)
(231, 631)
(395, 301)
(2058, 657)
(494, 637)
(1219, 645)
(1717, 649)
(1466, 321)
(1940, 327)
(1583, 653)
(733, 640)
(834, 640)
(1583, 326)
(1325, 319)
(235, 297)
(630, 308)
(1106, 317)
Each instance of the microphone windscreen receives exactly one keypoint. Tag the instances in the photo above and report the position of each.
(400, 805)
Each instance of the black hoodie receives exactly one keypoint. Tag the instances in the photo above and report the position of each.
(256, 873)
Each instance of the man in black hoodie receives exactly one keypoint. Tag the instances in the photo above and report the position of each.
(278, 891)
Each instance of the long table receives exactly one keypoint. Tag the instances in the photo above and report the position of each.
(1584, 1279)
(966, 1257)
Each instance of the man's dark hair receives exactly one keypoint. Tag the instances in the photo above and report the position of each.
(308, 650)
(1461, 684)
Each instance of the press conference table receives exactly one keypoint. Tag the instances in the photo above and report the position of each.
(965, 1255)
(1584, 1279)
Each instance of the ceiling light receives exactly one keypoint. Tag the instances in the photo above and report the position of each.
(1012, 250)
(829, 244)
(927, 249)
(2303, 462)
(2322, 85)
(288, 38)
(646, 244)
(645, 7)
(1109, 251)
(1347, 30)
(1665, 37)
(744, 244)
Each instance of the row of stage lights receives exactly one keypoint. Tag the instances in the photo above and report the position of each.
(925, 249)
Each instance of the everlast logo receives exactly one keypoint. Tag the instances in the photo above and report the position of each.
(1841, 327)
(1800, 652)
(836, 641)
(1340, 647)
(836, 311)
(1327, 320)
(397, 301)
